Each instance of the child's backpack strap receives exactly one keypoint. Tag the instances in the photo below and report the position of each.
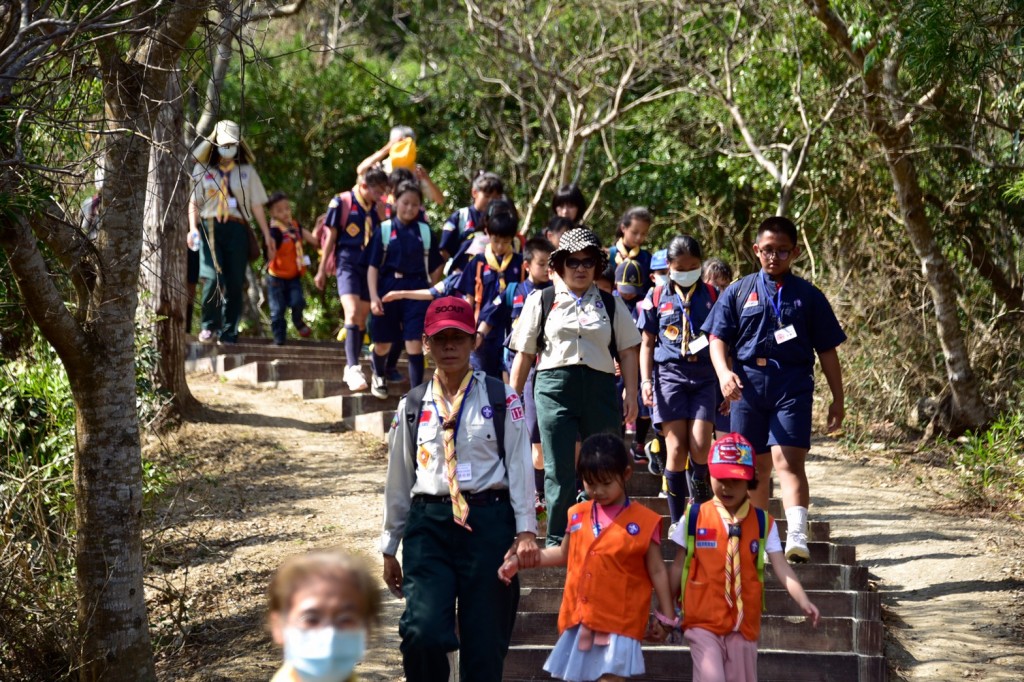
(413, 407)
(712, 292)
(496, 397)
(689, 522)
(762, 539)
(463, 221)
(385, 239)
(478, 290)
(510, 294)
(656, 297)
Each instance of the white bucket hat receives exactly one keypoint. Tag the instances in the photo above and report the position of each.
(225, 133)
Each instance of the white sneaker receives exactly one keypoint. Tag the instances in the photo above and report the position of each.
(796, 547)
(379, 387)
(355, 379)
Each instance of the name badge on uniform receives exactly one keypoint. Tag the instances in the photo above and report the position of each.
(464, 471)
(787, 333)
(587, 318)
(232, 202)
(698, 344)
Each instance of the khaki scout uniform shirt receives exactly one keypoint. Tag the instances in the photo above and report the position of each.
(423, 472)
(576, 331)
(246, 188)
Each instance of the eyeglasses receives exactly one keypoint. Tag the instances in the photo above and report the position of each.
(770, 254)
(576, 263)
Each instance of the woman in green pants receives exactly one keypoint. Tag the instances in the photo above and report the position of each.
(573, 331)
(228, 193)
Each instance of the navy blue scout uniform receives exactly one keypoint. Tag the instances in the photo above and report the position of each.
(458, 233)
(514, 299)
(487, 286)
(405, 263)
(353, 236)
(643, 258)
(758, 320)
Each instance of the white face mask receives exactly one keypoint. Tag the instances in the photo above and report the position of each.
(228, 152)
(660, 280)
(685, 278)
(324, 654)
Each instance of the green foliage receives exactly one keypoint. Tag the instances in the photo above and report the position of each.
(990, 464)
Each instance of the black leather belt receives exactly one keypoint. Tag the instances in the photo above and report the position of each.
(481, 498)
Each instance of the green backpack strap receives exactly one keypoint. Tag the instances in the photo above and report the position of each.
(510, 293)
(385, 234)
(762, 540)
(689, 522)
(385, 239)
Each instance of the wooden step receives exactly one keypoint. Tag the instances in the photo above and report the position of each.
(835, 603)
(525, 662)
(817, 531)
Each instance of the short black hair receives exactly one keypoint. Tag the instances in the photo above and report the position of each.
(488, 183)
(276, 197)
(778, 225)
(570, 194)
(535, 246)
(400, 175)
(603, 457)
(641, 213)
(558, 225)
(683, 245)
(501, 219)
(409, 187)
(376, 177)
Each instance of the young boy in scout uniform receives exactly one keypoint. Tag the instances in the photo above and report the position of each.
(771, 324)
(456, 501)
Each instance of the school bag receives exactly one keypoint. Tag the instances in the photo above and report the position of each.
(547, 301)
(323, 232)
(414, 405)
(385, 239)
(689, 522)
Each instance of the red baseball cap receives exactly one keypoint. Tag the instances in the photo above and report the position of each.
(732, 456)
(450, 312)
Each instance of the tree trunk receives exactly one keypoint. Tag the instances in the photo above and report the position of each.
(968, 409)
(164, 252)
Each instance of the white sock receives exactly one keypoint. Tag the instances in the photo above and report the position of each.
(797, 519)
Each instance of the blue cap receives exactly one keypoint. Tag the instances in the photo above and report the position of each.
(629, 278)
(659, 261)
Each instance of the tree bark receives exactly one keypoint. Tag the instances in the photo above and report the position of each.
(164, 250)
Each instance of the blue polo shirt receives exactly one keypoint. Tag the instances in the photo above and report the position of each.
(404, 256)
(454, 241)
(492, 308)
(360, 223)
(749, 325)
(666, 322)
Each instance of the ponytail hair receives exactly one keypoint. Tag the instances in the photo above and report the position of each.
(684, 245)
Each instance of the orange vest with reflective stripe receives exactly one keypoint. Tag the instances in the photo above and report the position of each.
(704, 604)
(606, 584)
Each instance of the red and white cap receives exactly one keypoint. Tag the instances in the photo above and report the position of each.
(450, 312)
(732, 456)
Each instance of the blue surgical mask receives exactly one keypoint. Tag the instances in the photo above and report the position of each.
(685, 278)
(228, 152)
(661, 280)
(324, 654)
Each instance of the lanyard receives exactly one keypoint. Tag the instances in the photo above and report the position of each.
(593, 516)
(458, 417)
(775, 301)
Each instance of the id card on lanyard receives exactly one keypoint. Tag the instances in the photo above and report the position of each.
(783, 332)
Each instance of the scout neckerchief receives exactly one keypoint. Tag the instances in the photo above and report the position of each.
(292, 230)
(450, 417)
(224, 191)
(492, 261)
(733, 588)
(624, 253)
(353, 230)
(687, 323)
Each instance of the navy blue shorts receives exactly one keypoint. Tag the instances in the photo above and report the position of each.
(403, 319)
(351, 273)
(776, 406)
(684, 390)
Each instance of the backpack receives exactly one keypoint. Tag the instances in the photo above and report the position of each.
(547, 301)
(689, 522)
(414, 405)
(323, 232)
(385, 239)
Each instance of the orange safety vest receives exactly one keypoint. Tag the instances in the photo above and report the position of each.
(288, 262)
(607, 587)
(704, 604)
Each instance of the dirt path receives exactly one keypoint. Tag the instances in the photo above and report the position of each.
(267, 476)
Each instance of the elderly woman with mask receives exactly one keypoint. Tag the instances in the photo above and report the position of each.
(577, 331)
(228, 194)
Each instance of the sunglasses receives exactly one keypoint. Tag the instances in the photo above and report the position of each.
(577, 263)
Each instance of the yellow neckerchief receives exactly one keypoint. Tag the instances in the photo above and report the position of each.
(685, 324)
(448, 415)
(624, 253)
(367, 207)
(733, 587)
(224, 191)
(492, 261)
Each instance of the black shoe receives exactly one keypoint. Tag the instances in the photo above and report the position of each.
(656, 457)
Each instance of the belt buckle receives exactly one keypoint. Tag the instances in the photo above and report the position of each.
(761, 362)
